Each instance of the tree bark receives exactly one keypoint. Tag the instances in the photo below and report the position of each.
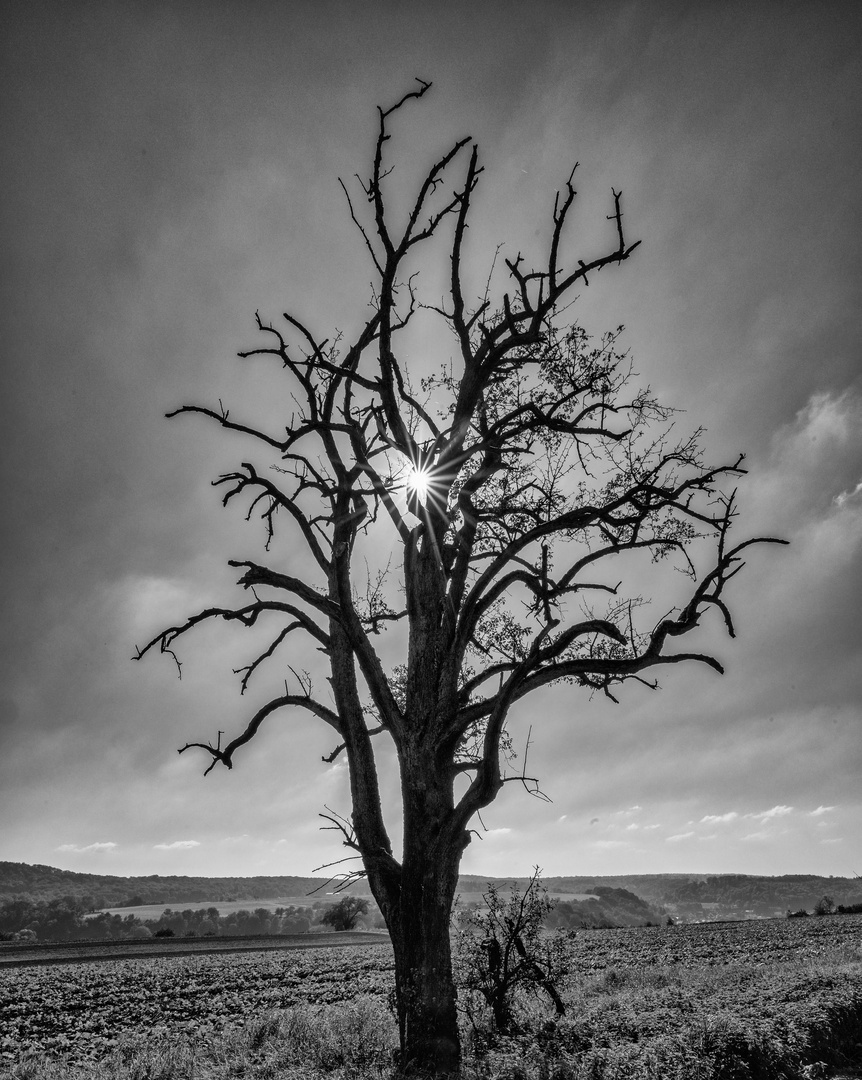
(425, 988)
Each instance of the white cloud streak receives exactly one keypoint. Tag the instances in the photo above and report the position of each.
(771, 815)
(79, 849)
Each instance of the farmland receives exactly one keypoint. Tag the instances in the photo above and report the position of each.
(27, 955)
(670, 1002)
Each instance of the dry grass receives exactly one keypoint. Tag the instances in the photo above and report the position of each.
(303, 1043)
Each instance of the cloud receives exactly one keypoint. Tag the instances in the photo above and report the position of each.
(810, 490)
(832, 840)
(821, 447)
(761, 834)
(675, 839)
(770, 815)
(177, 845)
(846, 496)
(821, 810)
(719, 819)
(105, 846)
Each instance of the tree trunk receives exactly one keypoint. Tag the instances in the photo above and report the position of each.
(425, 988)
(419, 918)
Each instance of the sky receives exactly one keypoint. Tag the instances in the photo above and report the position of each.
(169, 168)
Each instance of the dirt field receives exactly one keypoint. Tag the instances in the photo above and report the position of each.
(15, 955)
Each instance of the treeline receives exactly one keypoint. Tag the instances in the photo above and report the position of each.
(21, 880)
(66, 919)
(763, 894)
(826, 906)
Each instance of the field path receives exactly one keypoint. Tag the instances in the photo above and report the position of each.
(71, 952)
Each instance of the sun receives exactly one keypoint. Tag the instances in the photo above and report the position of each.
(418, 482)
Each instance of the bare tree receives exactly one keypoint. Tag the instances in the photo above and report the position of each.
(503, 948)
(514, 480)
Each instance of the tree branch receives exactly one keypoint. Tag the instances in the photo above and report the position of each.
(225, 756)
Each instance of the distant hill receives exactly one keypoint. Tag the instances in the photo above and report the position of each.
(22, 881)
(740, 895)
(607, 907)
(704, 896)
(686, 896)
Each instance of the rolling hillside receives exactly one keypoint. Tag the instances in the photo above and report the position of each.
(685, 896)
(22, 881)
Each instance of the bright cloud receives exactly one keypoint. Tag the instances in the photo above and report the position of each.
(813, 480)
(78, 849)
(719, 819)
(770, 815)
(145, 598)
(846, 496)
(821, 810)
(677, 837)
(828, 416)
(177, 845)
